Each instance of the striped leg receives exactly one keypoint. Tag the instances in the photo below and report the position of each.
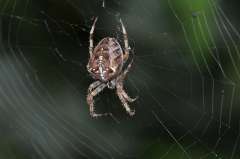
(125, 95)
(93, 86)
(126, 45)
(91, 37)
(90, 100)
(124, 101)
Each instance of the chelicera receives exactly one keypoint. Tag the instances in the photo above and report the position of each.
(106, 65)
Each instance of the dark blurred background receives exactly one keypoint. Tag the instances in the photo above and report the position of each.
(186, 73)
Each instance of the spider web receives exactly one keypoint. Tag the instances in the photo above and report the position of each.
(186, 74)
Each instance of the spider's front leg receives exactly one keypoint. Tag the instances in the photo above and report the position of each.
(90, 96)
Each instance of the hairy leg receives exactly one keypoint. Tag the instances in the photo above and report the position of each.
(90, 100)
(124, 101)
(126, 45)
(93, 86)
(91, 37)
(122, 76)
(124, 94)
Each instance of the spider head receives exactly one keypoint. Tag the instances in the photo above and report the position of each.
(105, 63)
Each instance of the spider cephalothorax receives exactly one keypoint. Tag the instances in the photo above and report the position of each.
(106, 66)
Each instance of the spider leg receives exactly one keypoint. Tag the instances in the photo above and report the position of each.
(91, 37)
(90, 100)
(93, 86)
(124, 94)
(126, 45)
(124, 102)
(123, 75)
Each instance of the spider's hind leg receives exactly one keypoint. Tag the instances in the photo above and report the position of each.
(90, 99)
(124, 98)
(129, 99)
(126, 106)
(93, 86)
(91, 36)
(126, 45)
(124, 94)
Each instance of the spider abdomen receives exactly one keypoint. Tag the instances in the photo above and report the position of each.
(106, 60)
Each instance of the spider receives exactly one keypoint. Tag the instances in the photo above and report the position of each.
(105, 65)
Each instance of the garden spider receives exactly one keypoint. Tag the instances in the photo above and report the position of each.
(106, 66)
